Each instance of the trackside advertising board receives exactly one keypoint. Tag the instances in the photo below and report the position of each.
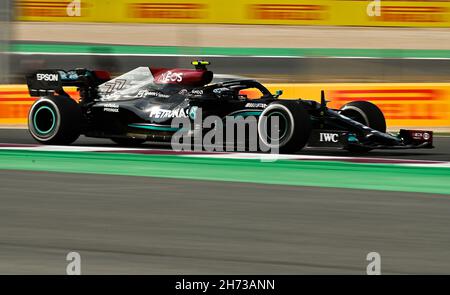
(419, 13)
(404, 105)
(15, 102)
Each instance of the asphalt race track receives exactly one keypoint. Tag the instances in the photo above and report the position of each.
(441, 152)
(133, 225)
(157, 226)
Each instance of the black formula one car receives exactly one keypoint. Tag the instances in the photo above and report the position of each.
(140, 105)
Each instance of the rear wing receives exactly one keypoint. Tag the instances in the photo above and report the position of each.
(48, 82)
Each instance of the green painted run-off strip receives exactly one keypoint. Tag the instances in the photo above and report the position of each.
(227, 51)
(301, 173)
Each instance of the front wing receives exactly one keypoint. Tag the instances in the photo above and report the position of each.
(405, 139)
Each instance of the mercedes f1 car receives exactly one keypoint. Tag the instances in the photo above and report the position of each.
(140, 105)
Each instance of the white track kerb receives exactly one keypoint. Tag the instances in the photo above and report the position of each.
(230, 134)
(222, 155)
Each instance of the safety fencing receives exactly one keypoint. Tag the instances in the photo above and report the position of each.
(404, 105)
(419, 13)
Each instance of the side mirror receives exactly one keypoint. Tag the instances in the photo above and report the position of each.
(278, 93)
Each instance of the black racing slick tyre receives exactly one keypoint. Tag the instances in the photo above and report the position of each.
(365, 113)
(55, 120)
(129, 142)
(293, 130)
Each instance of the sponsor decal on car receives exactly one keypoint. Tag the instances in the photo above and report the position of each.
(420, 135)
(193, 112)
(183, 92)
(70, 75)
(158, 113)
(47, 77)
(256, 105)
(170, 76)
(328, 137)
(111, 108)
(145, 93)
(220, 90)
(197, 92)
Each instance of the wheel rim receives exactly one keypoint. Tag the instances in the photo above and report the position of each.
(44, 120)
(282, 126)
(287, 131)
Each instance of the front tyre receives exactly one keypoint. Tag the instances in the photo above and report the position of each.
(365, 113)
(55, 120)
(293, 130)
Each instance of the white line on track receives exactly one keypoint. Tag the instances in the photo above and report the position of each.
(268, 157)
(229, 155)
(60, 148)
(438, 165)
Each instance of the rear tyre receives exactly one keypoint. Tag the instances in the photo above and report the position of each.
(55, 120)
(294, 126)
(128, 141)
(365, 113)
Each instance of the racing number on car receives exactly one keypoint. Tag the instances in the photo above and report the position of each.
(116, 85)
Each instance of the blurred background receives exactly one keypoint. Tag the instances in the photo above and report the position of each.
(302, 45)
